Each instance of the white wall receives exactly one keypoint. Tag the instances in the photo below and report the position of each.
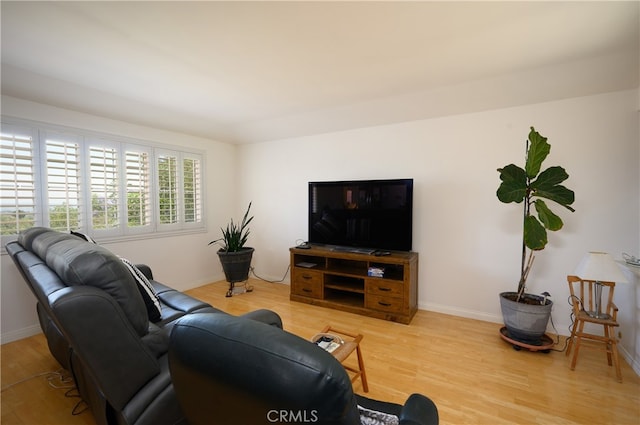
(182, 262)
(469, 242)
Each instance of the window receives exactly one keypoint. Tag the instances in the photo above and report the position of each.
(105, 199)
(179, 188)
(191, 190)
(62, 175)
(137, 188)
(168, 189)
(18, 158)
(95, 184)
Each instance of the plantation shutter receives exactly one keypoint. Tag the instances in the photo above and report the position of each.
(137, 178)
(191, 189)
(109, 187)
(168, 188)
(64, 200)
(103, 187)
(18, 159)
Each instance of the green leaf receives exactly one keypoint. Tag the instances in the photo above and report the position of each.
(547, 186)
(559, 194)
(535, 236)
(536, 154)
(550, 177)
(514, 184)
(235, 236)
(547, 217)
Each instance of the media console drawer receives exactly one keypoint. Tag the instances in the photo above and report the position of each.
(385, 288)
(307, 283)
(389, 304)
(341, 280)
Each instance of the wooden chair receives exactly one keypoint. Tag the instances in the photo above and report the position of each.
(583, 296)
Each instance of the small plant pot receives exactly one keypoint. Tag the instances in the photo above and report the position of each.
(525, 321)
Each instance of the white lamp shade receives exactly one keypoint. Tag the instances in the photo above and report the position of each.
(599, 266)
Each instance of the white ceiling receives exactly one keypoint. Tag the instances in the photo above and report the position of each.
(254, 71)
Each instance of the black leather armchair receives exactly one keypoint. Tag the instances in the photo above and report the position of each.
(230, 370)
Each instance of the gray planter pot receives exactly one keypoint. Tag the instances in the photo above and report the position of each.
(236, 264)
(525, 323)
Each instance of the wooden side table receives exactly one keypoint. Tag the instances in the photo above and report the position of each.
(349, 346)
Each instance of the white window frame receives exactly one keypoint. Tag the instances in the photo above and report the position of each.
(39, 132)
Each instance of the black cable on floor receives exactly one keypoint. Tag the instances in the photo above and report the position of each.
(252, 270)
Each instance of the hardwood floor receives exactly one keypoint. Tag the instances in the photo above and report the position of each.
(472, 375)
(32, 393)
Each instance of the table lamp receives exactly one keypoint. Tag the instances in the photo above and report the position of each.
(599, 267)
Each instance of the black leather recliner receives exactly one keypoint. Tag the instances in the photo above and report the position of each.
(230, 370)
(98, 327)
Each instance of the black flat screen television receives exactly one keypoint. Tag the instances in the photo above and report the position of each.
(365, 215)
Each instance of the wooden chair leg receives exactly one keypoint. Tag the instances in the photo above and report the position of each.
(571, 337)
(577, 347)
(363, 374)
(614, 353)
(609, 344)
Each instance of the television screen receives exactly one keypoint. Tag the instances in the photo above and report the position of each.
(369, 214)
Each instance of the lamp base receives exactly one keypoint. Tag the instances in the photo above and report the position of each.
(597, 315)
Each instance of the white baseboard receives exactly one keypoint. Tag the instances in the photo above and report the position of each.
(454, 311)
(560, 328)
(635, 365)
(20, 334)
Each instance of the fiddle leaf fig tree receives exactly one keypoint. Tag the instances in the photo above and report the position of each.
(529, 186)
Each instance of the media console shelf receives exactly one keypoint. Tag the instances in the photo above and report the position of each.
(341, 280)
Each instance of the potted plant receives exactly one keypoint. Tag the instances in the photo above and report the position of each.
(234, 256)
(526, 315)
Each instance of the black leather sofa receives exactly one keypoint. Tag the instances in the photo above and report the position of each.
(96, 318)
(245, 372)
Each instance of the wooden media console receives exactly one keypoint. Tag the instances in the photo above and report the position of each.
(385, 287)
